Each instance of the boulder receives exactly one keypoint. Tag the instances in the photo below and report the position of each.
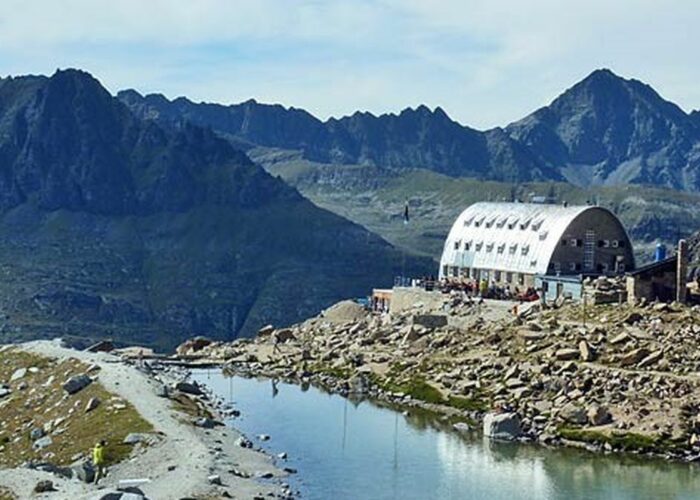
(598, 415)
(634, 357)
(189, 388)
(76, 384)
(162, 391)
(566, 354)
(18, 374)
(42, 443)
(4, 391)
(84, 471)
(632, 318)
(36, 433)
(44, 486)
(207, 423)
(359, 384)
(192, 346)
(430, 320)
(621, 338)
(214, 479)
(266, 330)
(134, 438)
(585, 351)
(502, 426)
(651, 359)
(573, 414)
(92, 404)
(284, 335)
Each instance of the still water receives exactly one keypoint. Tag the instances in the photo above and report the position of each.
(358, 450)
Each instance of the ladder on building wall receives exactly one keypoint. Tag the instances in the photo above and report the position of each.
(589, 251)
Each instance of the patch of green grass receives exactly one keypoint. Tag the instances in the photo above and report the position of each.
(334, 371)
(467, 404)
(43, 401)
(419, 389)
(628, 441)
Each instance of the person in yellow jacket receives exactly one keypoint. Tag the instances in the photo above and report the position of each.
(98, 460)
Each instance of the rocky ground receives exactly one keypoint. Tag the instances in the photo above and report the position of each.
(608, 377)
(184, 451)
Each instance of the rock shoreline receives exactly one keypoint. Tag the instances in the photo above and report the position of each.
(625, 381)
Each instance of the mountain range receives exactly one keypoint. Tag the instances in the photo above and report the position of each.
(605, 130)
(118, 227)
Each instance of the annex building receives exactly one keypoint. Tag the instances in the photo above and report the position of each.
(511, 243)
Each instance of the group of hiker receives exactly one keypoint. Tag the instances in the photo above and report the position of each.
(485, 290)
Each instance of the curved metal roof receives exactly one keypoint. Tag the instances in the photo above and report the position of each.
(515, 237)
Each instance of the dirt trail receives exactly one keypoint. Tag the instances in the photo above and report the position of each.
(179, 465)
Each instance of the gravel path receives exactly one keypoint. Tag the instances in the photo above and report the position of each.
(179, 465)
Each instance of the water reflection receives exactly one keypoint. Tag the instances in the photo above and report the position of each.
(353, 449)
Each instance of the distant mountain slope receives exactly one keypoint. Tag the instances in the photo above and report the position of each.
(604, 130)
(113, 226)
(608, 130)
(414, 138)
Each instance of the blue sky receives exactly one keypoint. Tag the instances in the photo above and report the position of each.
(485, 62)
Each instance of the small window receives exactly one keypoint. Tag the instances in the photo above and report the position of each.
(445, 269)
(543, 235)
(605, 268)
(456, 245)
(501, 248)
(574, 242)
(489, 247)
(563, 243)
(513, 248)
(468, 222)
(509, 277)
(606, 243)
(533, 263)
(524, 225)
(525, 249)
(497, 275)
(501, 222)
(479, 245)
(467, 245)
(621, 243)
(615, 243)
(465, 272)
(521, 279)
(572, 266)
(621, 267)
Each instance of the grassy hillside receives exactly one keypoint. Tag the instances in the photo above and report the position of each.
(376, 199)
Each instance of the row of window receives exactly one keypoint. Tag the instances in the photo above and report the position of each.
(483, 274)
(504, 221)
(575, 242)
(557, 267)
(489, 247)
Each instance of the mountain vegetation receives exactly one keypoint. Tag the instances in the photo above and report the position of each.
(114, 226)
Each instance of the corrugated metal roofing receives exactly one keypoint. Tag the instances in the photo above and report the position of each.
(514, 237)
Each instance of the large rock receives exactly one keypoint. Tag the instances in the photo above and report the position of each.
(566, 354)
(284, 335)
(430, 320)
(598, 415)
(573, 414)
(585, 351)
(502, 426)
(84, 471)
(634, 357)
(193, 346)
(18, 374)
(651, 359)
(42, 443)
(189, 388)
(44, 486)
(76, 384)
